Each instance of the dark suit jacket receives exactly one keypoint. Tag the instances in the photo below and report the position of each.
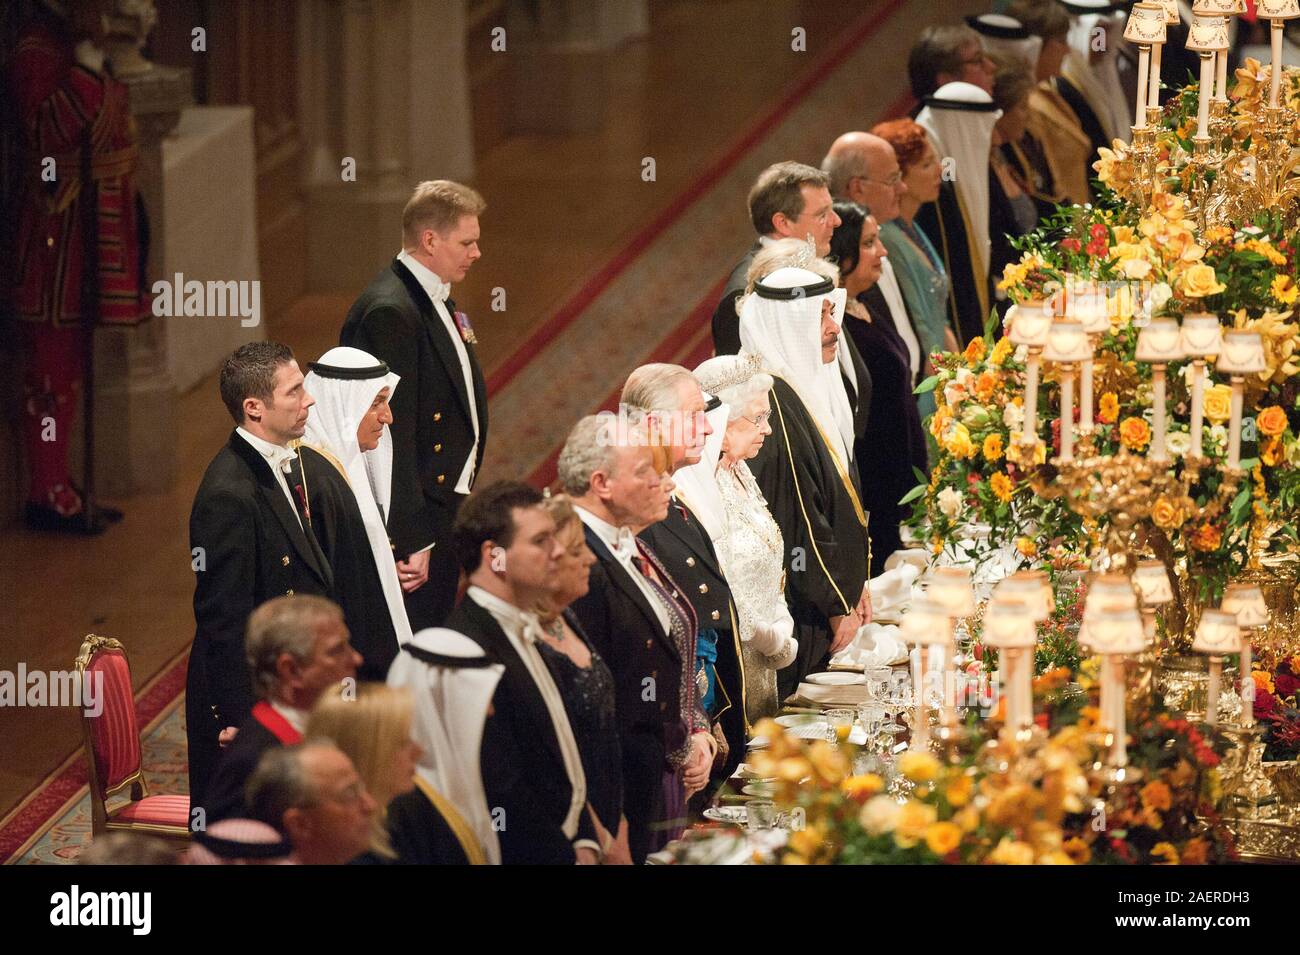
(253, 549)
(625, 631)
(683, 545)
(860, 395)
(225, 796)
(394, 320)
(522, 765)
(726, 321)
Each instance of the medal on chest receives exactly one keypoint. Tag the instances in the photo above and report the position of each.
(466, 329)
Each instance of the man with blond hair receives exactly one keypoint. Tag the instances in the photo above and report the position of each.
(407, 319)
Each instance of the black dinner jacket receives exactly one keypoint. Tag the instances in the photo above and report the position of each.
(252, 549)
(683, 546)
(860, 394)
(621, 625)
(726, 321)
(520, 758)
(225, 796)
(394, 320)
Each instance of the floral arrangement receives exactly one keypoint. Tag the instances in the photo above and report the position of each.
(1277, 708)
(1009, 804)
(979, 498)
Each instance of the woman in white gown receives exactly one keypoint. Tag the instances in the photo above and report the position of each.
(748, 542)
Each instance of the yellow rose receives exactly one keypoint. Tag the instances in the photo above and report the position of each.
(1271, 421)
(1218, 403)
(959, 444)
(1199, 281)
(860, 788)
(913, 820)
(943, 837)
(993, 448)
(1135, 433)
(959, 791)
(1164, 853)
(1027, 547)
(918, 766)
(1001, 486)
(1108, 408)
(1166, 515)
(1012, 852)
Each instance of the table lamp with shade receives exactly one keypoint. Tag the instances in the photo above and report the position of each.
(1067, 346)
(1202, 339)
(1030, 327)
(1246, 603)
(1277, 12)
(1159, 343)
(1242, 354)
(1011, 629)
(951, 588)
(1146, 30)
(1217, 635)
(1207, 37)
(925, 624)
(1114, 632)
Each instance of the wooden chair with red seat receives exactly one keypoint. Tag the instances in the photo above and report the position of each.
(112, 741)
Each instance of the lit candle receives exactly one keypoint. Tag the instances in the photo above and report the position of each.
(1203, 98)
(1198, 405)
(1144, 57)
(1275, 84)
(1067, 414)
(1029, 433)
(1212, 691)
(1158, 403)
(1119, 750)
(1247, 684)
(1156, 49)
(1234, 425)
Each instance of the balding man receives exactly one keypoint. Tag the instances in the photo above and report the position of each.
(863, 168)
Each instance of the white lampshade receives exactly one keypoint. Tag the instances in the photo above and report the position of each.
(1114, 630)
(1227, 8)
(1067, 343)
(1088, 306)
(926, 623)
(1277, 9)
(1048, 597)
(1243, 353)
(1009, 625)
(1030, 324)
(1160, 342)
(950, 587)
(1146, 24)
(1110, 590)
(1202, 334)
(1208, 34)
(1171, 11)
(1152, 581)
(1028, 591)
(1246, 603)
(1217, 633)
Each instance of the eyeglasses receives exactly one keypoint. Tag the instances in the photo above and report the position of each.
(891, 182)
(759, 420)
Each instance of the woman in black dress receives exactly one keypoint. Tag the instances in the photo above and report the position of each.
(586, 684)
(893, 443)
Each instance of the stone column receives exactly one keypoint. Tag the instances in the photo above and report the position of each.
(382, 82)
(136, 424)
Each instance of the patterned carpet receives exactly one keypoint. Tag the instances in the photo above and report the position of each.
(61, 841)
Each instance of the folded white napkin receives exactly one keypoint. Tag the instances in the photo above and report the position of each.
(876, 645)
(892, 590)
(916, 556)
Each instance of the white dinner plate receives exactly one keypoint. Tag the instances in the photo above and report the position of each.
(758, 742)
(733, 815)
(837, 678)
(799, 719)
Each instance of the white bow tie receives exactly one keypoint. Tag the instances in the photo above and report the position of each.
(281, 458)
(439, 291)
(624, 544)
(531, 630)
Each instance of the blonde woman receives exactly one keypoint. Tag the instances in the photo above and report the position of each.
(374, 731)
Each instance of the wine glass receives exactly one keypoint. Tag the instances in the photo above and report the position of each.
(898, 695)
(871, 716)
(839, 724)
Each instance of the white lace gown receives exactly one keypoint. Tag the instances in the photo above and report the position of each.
(751, 550)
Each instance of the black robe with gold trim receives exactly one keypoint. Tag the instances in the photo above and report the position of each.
(425, 829)
(948, 228)
(814, 499)
(337, 521)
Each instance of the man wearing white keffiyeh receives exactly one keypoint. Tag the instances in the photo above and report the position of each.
(792, 322)
(348, 455)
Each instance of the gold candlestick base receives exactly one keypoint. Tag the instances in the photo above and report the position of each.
(1248, 793)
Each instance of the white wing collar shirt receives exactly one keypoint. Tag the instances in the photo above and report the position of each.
(278, 459)
(438, 291)
(523, 631)
(622, 544)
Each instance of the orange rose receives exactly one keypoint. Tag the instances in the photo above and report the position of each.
(1207, 537)
(1135, 433)
(1108, 408)
(975, 351)
(1271, 421)
(1156, 795)
(985, 385)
